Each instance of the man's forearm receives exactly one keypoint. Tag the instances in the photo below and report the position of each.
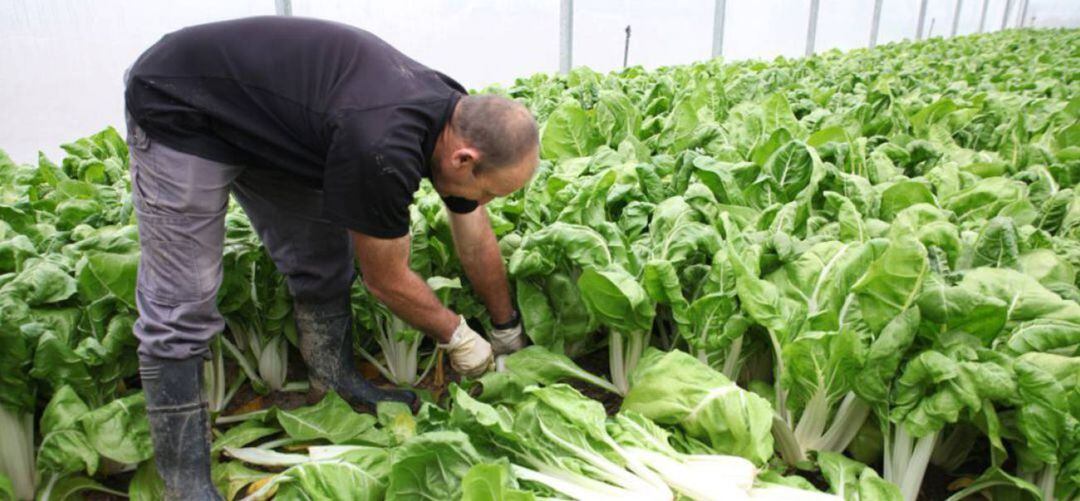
(484, 267)
(410, 298)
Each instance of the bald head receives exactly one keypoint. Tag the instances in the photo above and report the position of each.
(502, 130)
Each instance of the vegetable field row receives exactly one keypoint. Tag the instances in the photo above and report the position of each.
(851, 275)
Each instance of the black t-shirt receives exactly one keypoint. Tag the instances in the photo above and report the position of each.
(333, 104)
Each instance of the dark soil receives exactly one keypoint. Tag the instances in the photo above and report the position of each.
(597, 363)
(939, 484)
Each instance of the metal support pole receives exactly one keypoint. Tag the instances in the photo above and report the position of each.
(956, 17)
(626, 48)
(811, 28)
(875, 23)
(283, 7)
(718, 28)
(1023, 13)
(922, 20)
(982, 17)
(1005, 15)
(566, 35)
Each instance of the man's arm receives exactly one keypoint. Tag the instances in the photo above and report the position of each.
(478, 251)
(384, 264)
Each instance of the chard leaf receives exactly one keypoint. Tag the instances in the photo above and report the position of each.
(854, 481)
(893, 282)
(119, 430)
(331, 419)
(676, 389)
(431, 466)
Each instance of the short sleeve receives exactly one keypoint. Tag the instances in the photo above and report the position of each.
(460, 205)
(369, 185)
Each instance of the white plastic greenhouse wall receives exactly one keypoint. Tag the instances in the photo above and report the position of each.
(63, 59)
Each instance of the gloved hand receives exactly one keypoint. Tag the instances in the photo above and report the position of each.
(470, 354)
(509, 337)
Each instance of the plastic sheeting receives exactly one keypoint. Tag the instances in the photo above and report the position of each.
(63, 60)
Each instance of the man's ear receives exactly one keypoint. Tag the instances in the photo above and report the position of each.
(465, 157)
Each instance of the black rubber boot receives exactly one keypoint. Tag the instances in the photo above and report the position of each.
(325, 336)
(179, 426)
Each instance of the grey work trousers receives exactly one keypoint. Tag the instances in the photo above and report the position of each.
(180, 201)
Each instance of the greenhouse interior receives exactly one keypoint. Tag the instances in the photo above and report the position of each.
(601, 250)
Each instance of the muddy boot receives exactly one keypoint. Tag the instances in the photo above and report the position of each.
(179, 426)
(325, 336)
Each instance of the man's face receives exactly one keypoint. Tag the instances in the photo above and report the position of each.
(456, 175)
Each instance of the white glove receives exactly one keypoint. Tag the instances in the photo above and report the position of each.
(510, 339)
(470, 354)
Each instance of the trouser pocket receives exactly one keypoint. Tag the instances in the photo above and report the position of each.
(171, 271)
